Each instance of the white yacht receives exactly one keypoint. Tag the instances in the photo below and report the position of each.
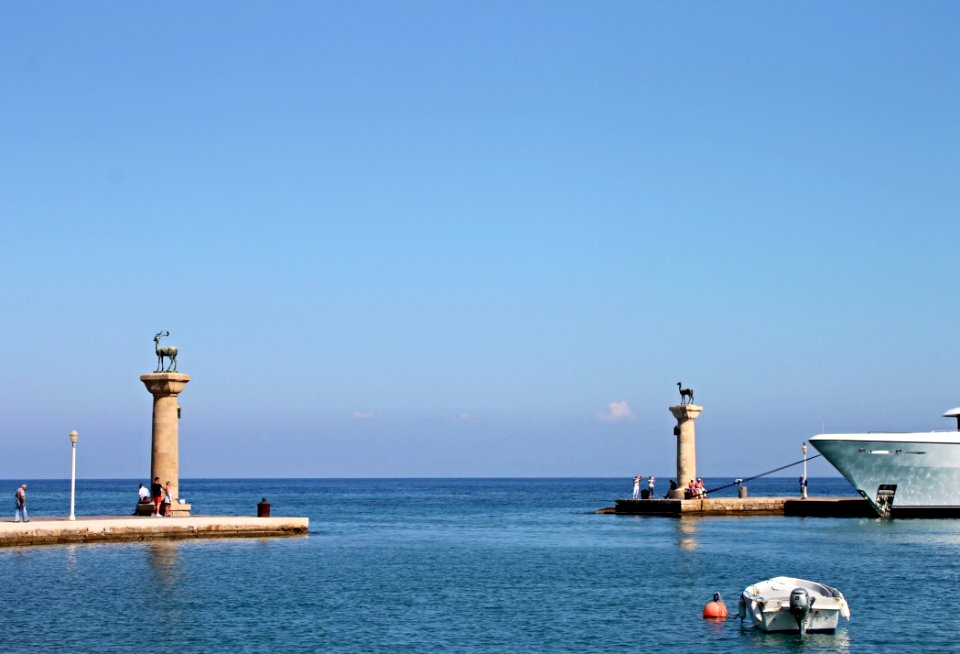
(902, 475)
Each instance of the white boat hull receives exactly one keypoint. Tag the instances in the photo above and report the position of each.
(781, 621)
(767, 604)
(901, 475)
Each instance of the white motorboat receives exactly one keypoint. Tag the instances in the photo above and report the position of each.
(785, 604)
(901, 474)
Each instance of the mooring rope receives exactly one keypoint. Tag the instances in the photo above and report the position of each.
(762, 474)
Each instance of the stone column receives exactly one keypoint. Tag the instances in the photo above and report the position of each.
(686, 445)
(165, 455)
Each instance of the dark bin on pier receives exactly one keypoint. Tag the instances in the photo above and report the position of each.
(263, 508)
(742, 492)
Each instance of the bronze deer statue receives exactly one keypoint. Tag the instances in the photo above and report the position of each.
(686, 394)
(167, 351)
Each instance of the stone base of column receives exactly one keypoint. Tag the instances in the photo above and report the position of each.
(677, 494)
(179, 510)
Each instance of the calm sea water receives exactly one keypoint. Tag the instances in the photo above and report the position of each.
(467, 565)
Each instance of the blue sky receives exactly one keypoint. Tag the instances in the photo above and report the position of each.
(453, 239)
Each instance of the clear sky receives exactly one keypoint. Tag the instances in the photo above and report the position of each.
(475, 239)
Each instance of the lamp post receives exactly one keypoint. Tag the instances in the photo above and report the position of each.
(73, 470)
(803, 482)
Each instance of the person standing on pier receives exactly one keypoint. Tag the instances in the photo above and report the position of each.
(673, 487)
(21, 500)
(636, 486)
(156, 492)
(651, 480)
(167, 500)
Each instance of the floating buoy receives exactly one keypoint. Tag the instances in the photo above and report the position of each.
(715, 609)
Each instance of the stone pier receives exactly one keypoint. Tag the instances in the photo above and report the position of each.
(820, 507)
(165, 455)
(88, 529)
(685, 414)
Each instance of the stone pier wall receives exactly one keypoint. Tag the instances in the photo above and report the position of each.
(98, 530)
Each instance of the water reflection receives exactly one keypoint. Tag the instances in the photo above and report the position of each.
(71, 551)
(837, 643)
(687, 533)
(718, 626)
(164, 559)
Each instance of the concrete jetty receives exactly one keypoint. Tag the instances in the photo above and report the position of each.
(53, 531)
(834, 507)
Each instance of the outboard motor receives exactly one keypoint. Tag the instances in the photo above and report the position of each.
(800, 604)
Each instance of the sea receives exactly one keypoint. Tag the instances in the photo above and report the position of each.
(471, 566)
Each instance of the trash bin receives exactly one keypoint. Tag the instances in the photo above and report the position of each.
(741, 493)
(645, 494)
(263, 508)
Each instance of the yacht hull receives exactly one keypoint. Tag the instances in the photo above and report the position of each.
(908, 475)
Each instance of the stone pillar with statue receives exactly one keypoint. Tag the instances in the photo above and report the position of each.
(685, 413)
(165, 384)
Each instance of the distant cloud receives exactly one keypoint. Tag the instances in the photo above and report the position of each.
(617, 412)
(362, 415)
(466, 417)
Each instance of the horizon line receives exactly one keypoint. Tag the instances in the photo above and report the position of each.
(394, 478)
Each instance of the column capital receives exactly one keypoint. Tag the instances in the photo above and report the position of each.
(684, 412)
(165, 383)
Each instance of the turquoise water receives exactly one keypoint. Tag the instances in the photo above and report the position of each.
(465, 565)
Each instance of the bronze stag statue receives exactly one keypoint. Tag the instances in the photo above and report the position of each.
(167, 351)
(686, 394)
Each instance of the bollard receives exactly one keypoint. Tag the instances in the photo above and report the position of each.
(742, 492)
(263, 508)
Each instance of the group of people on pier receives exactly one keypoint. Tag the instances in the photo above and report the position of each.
(695, 489)
(648, 494)
(158, 496)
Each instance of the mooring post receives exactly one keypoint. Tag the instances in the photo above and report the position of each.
(685, 414)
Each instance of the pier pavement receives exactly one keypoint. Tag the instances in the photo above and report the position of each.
(52, 531)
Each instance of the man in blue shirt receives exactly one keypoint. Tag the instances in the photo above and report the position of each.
(21, 499)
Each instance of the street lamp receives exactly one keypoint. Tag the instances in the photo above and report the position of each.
(73, 470)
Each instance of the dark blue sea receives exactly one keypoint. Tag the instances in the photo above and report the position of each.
(467, 565)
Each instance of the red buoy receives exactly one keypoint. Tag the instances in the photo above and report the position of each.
(715, 609)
